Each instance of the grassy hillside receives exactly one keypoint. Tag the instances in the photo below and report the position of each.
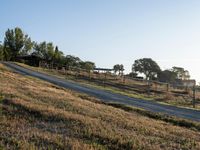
(35, 114)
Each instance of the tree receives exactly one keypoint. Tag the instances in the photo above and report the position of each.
(118, 68)
(88, 65)
(4, 53)
(16, 42)
(147, 66)
(40, 49)
(58, 57)
(49, 52)
(121, 69)
(28, 45)
(45, 50)
(167, 76)
(72, 61)
(182, 74)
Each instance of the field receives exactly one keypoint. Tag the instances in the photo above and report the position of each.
(35, 114)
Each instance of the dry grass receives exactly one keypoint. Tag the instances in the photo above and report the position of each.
(183, 100)
(35, 114)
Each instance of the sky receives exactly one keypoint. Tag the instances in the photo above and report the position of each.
(110, 32)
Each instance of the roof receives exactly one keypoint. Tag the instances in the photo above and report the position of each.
(29, 56)
(103, 69)
(189, 81)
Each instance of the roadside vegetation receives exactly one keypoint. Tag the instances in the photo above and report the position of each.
(35, 114)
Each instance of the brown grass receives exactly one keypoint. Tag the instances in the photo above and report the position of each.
(177, 97)
(35, 114)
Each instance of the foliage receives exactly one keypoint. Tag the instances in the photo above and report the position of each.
(170, 76)
(88, 65)
(118, 68)
(182, 74)
(4, 53)
(28, 45)
(72, 61)
(167, 76)
(58, 57)
(44, 50)
(16, 43)
(147, 66)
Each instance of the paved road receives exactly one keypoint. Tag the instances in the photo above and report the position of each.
(110, 97)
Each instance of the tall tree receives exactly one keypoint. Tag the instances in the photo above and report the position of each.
(45, 50)
(6, 53)
(118, 68)
(28, 45)
(58, 57)
(147, 66)
(50, 52)
(16, 41)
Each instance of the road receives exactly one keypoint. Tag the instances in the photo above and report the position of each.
(106, 96)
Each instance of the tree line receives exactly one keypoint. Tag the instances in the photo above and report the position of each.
(17, 44)
(152, 71)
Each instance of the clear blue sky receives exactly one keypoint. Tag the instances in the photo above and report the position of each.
(113, 31)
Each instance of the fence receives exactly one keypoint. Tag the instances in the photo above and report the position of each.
(127, 83)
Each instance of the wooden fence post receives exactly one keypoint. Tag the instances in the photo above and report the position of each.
(90, 74)
(148, 87)
(124, 81)
(194, 97)
(167, 87)
(156, 86)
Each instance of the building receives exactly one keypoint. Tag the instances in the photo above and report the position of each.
(188, 83)
(32, 59)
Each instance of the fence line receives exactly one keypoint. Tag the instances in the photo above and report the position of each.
(125, 82)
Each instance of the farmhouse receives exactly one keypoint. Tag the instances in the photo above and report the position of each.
(32, 59)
